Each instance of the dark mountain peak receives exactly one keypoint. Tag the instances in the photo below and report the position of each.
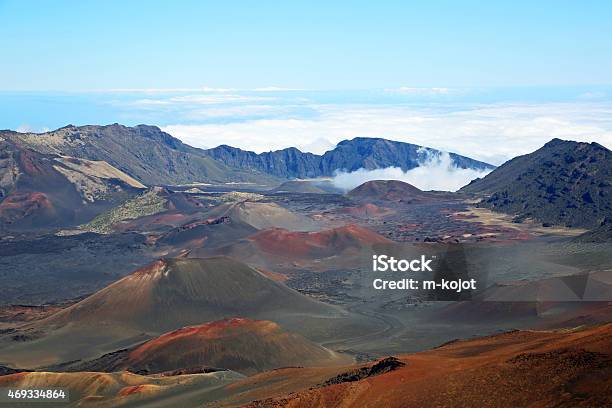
(230, 148)
(564, 183)
(291, 150)
(371, 141)
(150, 128)
(115, 129)
(361, 141)
(556, 142)
(155, 133)
(348, 155)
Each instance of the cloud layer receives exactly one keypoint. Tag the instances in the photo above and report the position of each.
(493, 133)
(435, 173)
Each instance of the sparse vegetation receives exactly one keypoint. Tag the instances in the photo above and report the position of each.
(237, 196)
(148, 203)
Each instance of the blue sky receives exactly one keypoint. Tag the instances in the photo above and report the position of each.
(488, 79)
(85, 45)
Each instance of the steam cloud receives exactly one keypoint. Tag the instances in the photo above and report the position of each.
(436, 172)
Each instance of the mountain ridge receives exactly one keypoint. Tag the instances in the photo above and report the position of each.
(155, 157)
(145, 152)
(348, 155)
(563, 183)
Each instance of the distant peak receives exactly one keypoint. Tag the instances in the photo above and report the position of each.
(556, 142)
(361, 140)
(150, 127)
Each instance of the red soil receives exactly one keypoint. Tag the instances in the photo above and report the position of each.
(30, 164)
(515, 369)
(287, 243)
(22, 205)
(213, 330)
(239, 344)
(133, 389)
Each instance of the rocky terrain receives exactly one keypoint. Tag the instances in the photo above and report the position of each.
(238, 344)
(162, 296)
(599, 234)
(42, 191)
(562, 183)
(348, 155)
(567, 368)
(225, 294)
(154, 157)
(144, 152)
(512, 369)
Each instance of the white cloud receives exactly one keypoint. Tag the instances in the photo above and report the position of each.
(276, 89)
(492, 133)
(167, 90)
(236, 112)
(205, 89)
(195, 100)
(25, 128)
(406, 90)
(593, 95)
(206, 99)
(434, 173)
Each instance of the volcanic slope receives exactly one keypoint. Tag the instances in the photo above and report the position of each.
(164, 296)
(172, 293)
(205, 235)
(44, 190)
(238, 344)
(278, 244)
(515, 369)
(262, 215)
(156, 208)
(393, 190)
(567, 368)
(117, 389)
(564, 183)
(144, 152)
(227, 223)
